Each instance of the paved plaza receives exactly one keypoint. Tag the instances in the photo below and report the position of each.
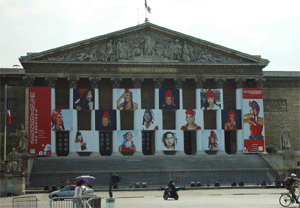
(225, 198)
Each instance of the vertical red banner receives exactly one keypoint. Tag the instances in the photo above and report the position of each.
(39, 121)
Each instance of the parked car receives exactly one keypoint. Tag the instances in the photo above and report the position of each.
(69, 191)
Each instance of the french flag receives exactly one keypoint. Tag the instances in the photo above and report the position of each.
(7, 110)
(147, 7)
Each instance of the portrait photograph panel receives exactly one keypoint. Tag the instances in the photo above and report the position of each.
(211, 99)
(169, 140)
(148, 119)
(62, 119)
(83, 99)
(128, 141)
(86, 141)
(231, 119)
(128, 99)
(169, 99)
(105, 120)
(212, 140)
(189, 119)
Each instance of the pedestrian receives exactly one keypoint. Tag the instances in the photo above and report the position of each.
(79, 191)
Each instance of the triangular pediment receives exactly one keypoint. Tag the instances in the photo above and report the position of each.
(143, 44)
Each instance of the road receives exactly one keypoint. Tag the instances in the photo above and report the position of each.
(207, 198)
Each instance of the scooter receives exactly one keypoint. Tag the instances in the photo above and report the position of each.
(172, 194)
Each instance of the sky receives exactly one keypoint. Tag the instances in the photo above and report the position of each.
(270, 28)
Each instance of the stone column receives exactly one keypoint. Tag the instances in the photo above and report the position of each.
(116, 84)
(94, 84)
(260, 82)
(199, 81)
(239, 83)
(51, 82)
(28, 82)
(219, 84)
(73, 85)
(137, 83)
(158, 81)
(158, 85)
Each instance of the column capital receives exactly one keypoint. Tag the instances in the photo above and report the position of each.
(179, 82)
(116, 81)
(28, 81)
(158, 81)
(137, 82)
(73, 82)
(199, 82)
(219, 82)
(51, 81)
(260, 82)
(239, 82)
(94, 81)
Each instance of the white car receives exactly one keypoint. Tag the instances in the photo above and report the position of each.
(69, 191)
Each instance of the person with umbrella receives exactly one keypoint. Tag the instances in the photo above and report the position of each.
(79, 190)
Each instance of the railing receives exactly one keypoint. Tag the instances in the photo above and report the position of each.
(78, 202)
(158, 178)
(24, 202)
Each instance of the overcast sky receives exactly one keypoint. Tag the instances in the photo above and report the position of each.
(269, 28)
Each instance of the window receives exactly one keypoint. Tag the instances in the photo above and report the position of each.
(148, 142)
(62, 143)
(105, 143)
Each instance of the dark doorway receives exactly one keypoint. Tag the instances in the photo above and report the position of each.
(62, 143)
(189, 142)
(230, 142)
(105, 143)
(148, 142)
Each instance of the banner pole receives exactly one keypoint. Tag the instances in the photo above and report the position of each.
(5, 120)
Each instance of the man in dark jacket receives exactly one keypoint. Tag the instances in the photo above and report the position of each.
(170, 186)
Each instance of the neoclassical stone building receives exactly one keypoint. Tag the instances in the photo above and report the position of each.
(74, 88)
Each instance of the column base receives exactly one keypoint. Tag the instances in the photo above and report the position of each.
(200, 153)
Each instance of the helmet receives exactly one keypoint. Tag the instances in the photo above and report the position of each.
(293, 174)
(171, 180)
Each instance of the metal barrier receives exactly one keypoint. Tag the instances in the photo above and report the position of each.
(78, 202)
(24, 202)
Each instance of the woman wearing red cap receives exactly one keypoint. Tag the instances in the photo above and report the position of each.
(230, 125)
(190, 119)
(256, 123)
(169, 101)
(128, 104)
(210, 101)
(85, 102)
(105, 119)
(57, 120)
(212, 141)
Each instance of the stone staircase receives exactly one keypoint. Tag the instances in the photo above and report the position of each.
(155, 170)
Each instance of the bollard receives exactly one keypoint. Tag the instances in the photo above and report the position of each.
(110, 203)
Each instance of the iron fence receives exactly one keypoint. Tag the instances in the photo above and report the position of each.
(78, 202)
(159, 179)
(24, 202)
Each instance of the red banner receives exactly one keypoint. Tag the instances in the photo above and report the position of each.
(252, 93)
(39, 121)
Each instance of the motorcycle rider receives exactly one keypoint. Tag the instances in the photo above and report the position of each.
(171, 187)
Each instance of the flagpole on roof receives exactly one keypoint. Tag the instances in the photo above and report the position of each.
(5, 120)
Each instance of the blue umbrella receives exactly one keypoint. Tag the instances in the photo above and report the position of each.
(86, 178)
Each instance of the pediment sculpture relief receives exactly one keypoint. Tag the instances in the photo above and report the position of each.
(145, 47)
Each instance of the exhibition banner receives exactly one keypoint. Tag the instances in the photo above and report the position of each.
(62, 119)
(105, 120)
(39, 121)
(253, 120)
(212, 140)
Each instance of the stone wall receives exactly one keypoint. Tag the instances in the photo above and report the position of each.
(282, 106)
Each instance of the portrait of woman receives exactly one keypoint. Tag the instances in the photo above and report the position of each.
(212, 141)
(79, 144)
(169, 140)
(255, 122)
(127, 103)
(57, 120)
(210, 101)
(105, 120)
(190, 119)
(149, 121)
(128, 144)
(83, 99)
(231, 121)
(169, 103)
